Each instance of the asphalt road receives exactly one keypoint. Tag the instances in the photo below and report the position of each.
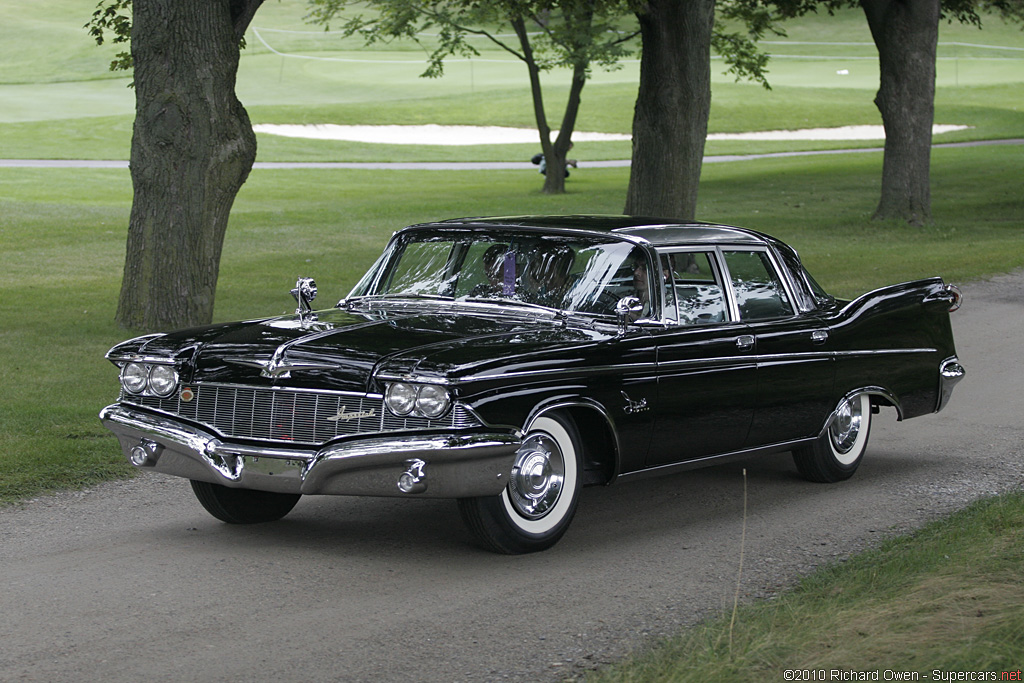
(133, 581)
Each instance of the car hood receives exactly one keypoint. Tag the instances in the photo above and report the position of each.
(344, 350)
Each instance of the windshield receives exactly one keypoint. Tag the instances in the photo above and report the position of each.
(574, 274)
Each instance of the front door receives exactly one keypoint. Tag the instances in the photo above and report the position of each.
(707, 390)
(707, 371)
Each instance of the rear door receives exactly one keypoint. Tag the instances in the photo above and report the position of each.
(795, 364)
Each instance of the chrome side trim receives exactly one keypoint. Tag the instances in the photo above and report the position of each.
(883, 352)
(634, 368)
(645, 368)
(719, 459)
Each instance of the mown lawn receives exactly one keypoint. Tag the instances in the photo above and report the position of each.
(944, 601)
(63, 232)
(947, 598)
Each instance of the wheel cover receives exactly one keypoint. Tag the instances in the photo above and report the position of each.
(846, 426)
(538, 477)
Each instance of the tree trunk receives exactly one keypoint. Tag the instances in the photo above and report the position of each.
(192, 149)
(906, 33)
(554, 180)
(670, 121)
(555, 153)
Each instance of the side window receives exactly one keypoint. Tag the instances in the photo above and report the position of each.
(759, 291)
(694, 293)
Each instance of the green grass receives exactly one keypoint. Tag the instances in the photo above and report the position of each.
(63, 233)
(992, 112)
(946, 598)
(61, 102)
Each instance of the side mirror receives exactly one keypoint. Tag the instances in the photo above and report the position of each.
(627, 310)
(304, 293)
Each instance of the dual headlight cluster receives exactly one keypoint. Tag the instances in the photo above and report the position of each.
(423, 400)
(149, 379)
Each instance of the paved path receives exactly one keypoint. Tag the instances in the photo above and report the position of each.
(468, 165)
(133, 581)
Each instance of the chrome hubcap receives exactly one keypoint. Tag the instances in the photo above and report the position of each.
(846, 426)
(537, 476)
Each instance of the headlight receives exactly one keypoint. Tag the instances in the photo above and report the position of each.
(163, 380)
(426, 400)
(134, 378)
(400, 398)
(149, 379)
(432, 401)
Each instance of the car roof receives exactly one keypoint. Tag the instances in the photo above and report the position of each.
(654, 231)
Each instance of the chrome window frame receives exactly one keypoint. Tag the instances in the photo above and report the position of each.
(716, 261)
(773, 259)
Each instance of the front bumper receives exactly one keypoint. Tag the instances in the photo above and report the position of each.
(433, 466)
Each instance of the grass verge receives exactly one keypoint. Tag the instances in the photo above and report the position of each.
(63, 232)
(947, 598)
(992, 112)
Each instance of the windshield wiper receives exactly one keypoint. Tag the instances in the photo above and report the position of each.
(399, 299)
(500, 301)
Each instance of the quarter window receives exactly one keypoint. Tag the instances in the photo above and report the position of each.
(759, 291)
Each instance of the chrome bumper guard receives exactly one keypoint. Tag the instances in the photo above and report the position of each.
(950, 372)
(434, 466)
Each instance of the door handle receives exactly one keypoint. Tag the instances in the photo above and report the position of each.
(819, 336)
(745, 342)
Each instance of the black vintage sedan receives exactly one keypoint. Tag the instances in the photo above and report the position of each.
(509, 362)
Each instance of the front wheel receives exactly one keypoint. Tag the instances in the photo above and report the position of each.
(243, 506)
(837, 453)
(535, 509)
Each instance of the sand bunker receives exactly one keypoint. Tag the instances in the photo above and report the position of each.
(433, 134)
(842, 133)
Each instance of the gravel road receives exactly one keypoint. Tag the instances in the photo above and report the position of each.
(133, 581)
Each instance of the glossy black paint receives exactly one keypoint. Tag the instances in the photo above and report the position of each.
(657, 395)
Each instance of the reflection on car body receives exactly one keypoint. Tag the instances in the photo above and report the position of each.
(509, 362)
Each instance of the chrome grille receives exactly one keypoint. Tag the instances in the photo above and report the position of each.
(292, 415)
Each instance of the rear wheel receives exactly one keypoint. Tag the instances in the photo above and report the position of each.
(243, 506)
(535, 509)
(837, 453)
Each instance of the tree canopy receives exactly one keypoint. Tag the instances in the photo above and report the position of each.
(545, 34)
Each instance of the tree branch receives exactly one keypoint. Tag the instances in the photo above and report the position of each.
(242, 12)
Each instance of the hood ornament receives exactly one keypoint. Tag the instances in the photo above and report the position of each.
(304, 293)
(278, 366)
